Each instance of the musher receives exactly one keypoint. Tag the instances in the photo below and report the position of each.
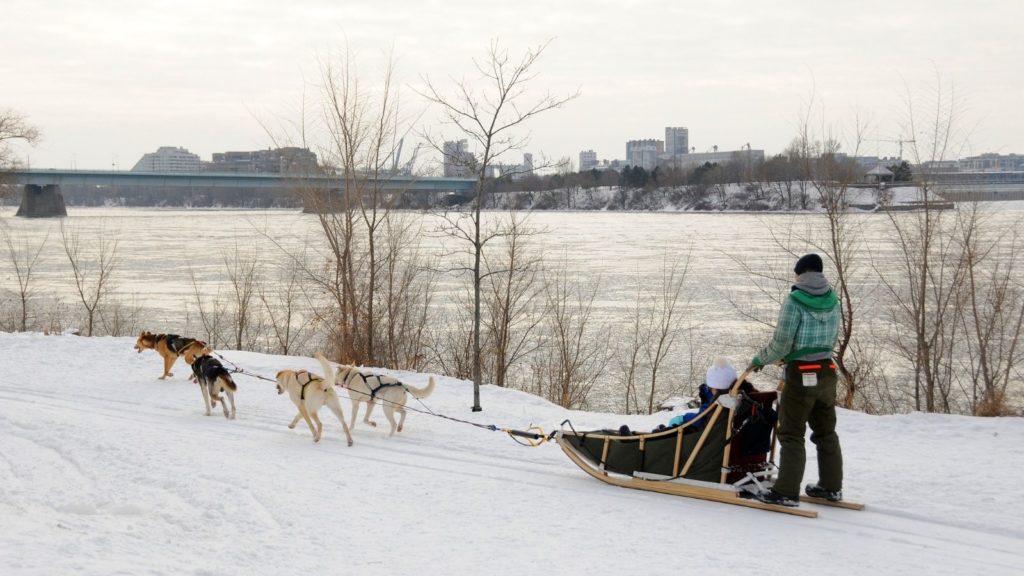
(805, 335)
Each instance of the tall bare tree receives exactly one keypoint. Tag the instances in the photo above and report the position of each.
(23, 256)
(823, 152)
(357, 135)
(925, 286)
(92, 268)
(491, 111)
(513, 289)
(992, 313)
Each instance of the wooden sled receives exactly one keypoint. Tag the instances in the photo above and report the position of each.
(722, 455)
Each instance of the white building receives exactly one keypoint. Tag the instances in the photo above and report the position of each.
(644, 153)
(458, 160)
(168, 159)
(588, 160)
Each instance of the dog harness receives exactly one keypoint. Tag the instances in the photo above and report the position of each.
(366, 380)
(309, 380)
(176, 343)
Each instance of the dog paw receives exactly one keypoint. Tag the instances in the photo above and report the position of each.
(291, 426)
(350, 442)
(372, 423)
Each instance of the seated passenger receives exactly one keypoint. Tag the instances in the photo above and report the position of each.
(720, 377)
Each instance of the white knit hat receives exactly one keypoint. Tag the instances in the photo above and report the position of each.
(721, 375)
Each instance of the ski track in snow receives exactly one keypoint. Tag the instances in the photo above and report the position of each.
(106, 470)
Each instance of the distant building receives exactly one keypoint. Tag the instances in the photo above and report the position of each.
(288, 160)
(588, 160)
(168, 159)
(677, 141)
(992, 162)
(458, 160)
(718, 157)
(644, 153)
(516, 171)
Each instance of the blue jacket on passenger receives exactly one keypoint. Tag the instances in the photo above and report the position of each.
(706, 398)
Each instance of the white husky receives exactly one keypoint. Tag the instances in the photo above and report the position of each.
(370, 388)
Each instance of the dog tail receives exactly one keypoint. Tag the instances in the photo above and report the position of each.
(229, 383)
(422, 392)
(329, 373)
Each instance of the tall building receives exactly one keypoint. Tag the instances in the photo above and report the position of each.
(458, 160)
(288, 160)
(168, 159)
(588, 160)
(677, 141)
(644, 153)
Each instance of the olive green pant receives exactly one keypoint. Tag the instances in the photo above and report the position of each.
(802, 406)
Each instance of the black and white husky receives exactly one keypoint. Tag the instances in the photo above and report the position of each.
(213, 378)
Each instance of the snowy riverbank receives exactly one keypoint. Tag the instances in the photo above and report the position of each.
(104, 469)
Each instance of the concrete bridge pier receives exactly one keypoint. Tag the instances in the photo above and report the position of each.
(42, 202)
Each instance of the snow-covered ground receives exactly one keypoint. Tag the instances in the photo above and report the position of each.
(106, 470)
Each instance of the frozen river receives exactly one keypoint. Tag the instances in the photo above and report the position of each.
(616, 251)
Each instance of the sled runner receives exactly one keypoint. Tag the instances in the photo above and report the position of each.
(725, 454)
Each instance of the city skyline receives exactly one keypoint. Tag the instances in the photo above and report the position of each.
(107, 83)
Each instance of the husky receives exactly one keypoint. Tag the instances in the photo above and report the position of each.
(213, 378)
(391, 392)
(168, 346)
(309, 392)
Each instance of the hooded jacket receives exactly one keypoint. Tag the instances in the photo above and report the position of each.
(808, 325)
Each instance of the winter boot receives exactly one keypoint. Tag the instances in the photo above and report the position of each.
(773, 497)
(815, 491)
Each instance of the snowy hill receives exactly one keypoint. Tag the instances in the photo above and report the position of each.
(106, 470)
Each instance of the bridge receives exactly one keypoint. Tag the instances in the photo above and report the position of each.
(42, 187)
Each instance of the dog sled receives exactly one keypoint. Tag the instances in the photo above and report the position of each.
(724, 454)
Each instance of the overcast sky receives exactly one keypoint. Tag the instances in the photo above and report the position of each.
(108, 80)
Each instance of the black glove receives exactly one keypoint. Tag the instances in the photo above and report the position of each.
(754, 367)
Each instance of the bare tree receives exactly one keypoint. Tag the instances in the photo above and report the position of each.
(925, 286)
(211, 309)
(831, 177)
(362, 131)
(13, 126)
(405, 295)
(513, 289)
(23, 256)
(574, 354)
(663, 321)
(992, 314)
(281, 301)
(120, 318)
(490, 116)
(92, 270)
(243, 271)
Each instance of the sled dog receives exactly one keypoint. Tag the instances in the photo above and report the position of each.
(213, 378)
(369, 388)
(168, 346)
(309, 392)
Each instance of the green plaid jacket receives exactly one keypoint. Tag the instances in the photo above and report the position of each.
(808, 328)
